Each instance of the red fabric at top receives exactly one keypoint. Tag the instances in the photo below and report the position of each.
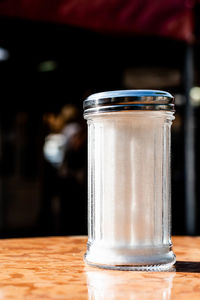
(169, 18)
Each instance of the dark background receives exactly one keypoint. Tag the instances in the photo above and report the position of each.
(52, 65)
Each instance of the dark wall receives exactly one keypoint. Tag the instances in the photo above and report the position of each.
(52, 65)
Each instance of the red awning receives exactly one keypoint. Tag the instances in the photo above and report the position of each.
(168, 18)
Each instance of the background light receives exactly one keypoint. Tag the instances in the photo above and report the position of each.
(47, 66)
(4, 54)
(195, 96)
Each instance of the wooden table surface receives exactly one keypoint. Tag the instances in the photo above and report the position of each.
(53, 268)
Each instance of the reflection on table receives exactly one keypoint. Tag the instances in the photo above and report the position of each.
(112, 285)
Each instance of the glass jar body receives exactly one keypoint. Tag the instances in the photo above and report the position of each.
(129, 201)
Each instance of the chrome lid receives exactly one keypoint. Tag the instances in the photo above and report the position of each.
(128, 100)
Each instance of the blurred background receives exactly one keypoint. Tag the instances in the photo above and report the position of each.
(53, 54)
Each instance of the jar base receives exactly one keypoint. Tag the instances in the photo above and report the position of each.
(151, 268)
(147, 262)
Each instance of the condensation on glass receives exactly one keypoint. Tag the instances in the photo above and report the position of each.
(129, 192)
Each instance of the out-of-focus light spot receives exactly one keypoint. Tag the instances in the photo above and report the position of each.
(47, 66)
(195, 96)
(54, 148)
(180, 99)
(4, 54)
(153, 78)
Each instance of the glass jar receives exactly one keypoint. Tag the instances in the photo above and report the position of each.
(129, 192)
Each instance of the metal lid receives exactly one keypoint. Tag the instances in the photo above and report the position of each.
(128, 100)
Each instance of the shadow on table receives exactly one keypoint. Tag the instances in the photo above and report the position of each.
(188, 266)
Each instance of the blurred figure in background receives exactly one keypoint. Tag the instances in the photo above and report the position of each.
(65, 172)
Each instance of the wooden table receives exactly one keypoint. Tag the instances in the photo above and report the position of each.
(53, 268)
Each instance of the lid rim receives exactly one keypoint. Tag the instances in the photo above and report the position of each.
(116, 100)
